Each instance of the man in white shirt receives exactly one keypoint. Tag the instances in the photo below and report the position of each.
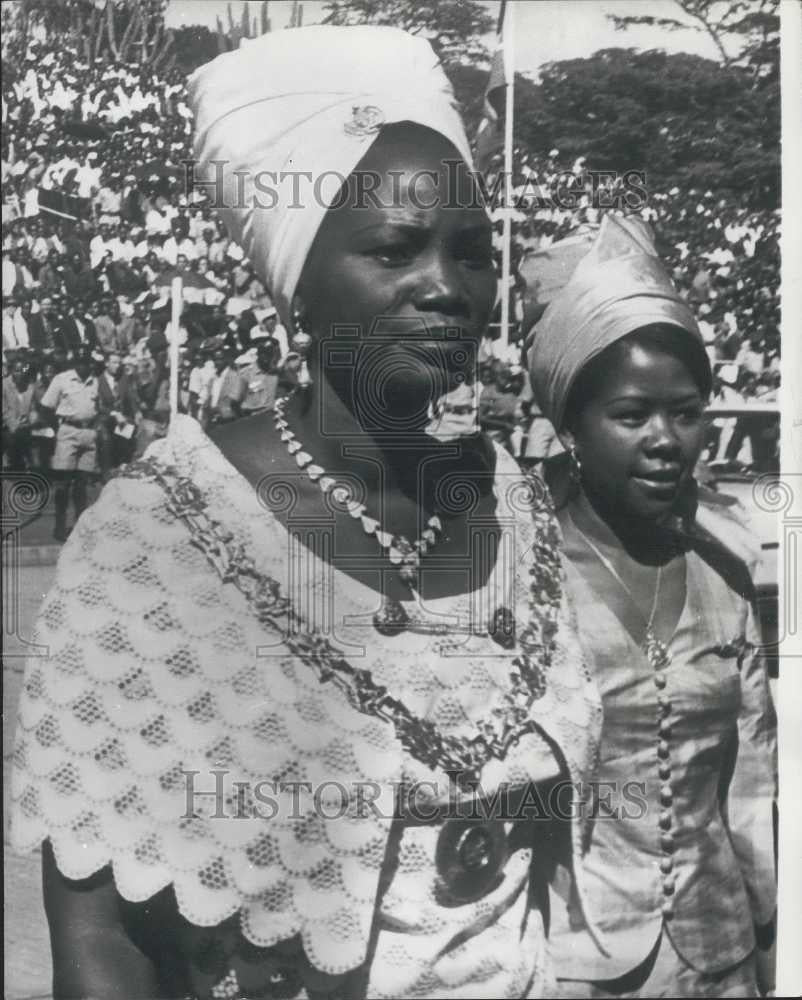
(72, 402)
(151, 244)
(9, 273)
(9, 334)
(708, 331)
(228, 389)
(100, 244)
(87, 177)
(19, 324)
(752, 356)
(212, 245)
(200, 384)
(159, 217)
(178, 244)
(121, 245)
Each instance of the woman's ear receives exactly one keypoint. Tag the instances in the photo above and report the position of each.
(567, 439)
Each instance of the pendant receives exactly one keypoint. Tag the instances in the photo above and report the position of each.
(391, 618)
(501, 628)
(470, 856)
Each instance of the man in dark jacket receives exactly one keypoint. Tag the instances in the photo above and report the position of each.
(44, 330)
(77, 330)
(79, 278)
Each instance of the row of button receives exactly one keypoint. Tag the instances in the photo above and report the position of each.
(666, 817)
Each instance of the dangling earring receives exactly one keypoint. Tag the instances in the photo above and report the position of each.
(301, 342)
(574, 468)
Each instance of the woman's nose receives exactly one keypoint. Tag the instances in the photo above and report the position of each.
(440, 288)
(662, 433)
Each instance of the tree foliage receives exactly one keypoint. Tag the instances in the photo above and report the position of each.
(194, 45)
(683, 119)
(120, 30)
(454, 27)
(745, 32)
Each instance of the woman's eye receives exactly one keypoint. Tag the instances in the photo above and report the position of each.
(475, 254)
(396, 253)
(631, 417)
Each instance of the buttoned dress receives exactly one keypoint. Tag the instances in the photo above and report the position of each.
(681, 861)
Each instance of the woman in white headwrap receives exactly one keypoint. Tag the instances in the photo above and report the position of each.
(680, 869)
(277, 748)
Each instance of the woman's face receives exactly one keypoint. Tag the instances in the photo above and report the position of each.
(408, 267)
(639, 437)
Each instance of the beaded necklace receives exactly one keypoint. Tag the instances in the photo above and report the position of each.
(392, 617)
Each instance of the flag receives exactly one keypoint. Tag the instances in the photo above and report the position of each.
(490, 134)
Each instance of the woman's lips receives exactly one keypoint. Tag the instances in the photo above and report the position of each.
(660, 484)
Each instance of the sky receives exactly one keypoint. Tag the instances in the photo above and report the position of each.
(545, 30)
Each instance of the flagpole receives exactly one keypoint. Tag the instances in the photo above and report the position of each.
(506, 262)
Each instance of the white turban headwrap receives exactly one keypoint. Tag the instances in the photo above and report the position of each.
(618, 286)
(306, 103)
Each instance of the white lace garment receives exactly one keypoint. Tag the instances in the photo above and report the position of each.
(156, 668)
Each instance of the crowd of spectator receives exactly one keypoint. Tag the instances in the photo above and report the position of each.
(724, 258)
(97, 221)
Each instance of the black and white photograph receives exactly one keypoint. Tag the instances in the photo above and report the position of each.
(402, 499)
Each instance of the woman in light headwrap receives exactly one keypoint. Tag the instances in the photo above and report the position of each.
(277, 748)
(680, 868)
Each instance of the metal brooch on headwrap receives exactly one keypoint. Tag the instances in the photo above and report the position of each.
(366, 119)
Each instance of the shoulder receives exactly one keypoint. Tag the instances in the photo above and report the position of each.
(725, 540)
(58, 382)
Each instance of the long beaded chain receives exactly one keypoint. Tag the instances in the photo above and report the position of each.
(399, 550)
(460, 757)
(392, 617)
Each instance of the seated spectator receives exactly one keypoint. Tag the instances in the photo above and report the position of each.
(50, 276)
(44, 328)
(228, 389)
(101, 244)
(76, 329)
(752, 355)
(105, 328)
(16, 324)
(177, 244)
(261, 377)
(17, 277)
(79, 278)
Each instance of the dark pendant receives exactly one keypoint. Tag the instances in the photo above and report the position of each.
(391, 618)
(470, 856)
(502, 628)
